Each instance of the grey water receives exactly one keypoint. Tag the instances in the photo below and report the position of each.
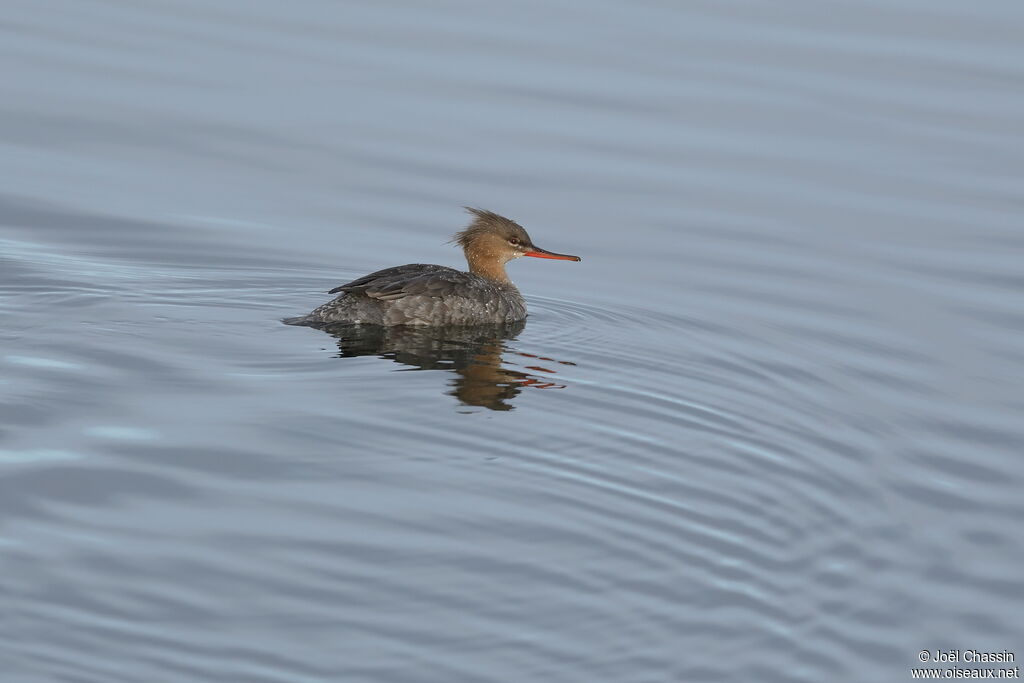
(769, 429)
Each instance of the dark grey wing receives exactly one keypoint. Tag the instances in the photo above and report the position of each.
(387, 274)
(414, 279)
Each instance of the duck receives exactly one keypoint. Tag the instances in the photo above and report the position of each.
(427, 294)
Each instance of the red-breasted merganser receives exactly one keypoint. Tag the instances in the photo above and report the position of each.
(421, 294)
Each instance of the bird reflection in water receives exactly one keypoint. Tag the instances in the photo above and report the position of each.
(473, 353)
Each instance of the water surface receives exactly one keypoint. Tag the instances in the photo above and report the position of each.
(769, 429)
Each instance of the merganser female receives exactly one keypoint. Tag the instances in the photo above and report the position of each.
(422, 294)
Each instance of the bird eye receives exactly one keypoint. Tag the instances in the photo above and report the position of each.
(514, 241)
